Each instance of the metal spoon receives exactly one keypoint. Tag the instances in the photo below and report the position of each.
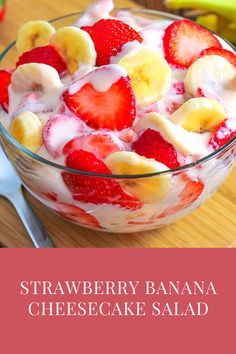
(10, 188)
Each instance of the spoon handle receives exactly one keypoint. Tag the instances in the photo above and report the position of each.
(35, 229)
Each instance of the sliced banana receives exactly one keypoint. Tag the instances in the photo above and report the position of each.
(33, 34)
(199, 114)
(184, 141)
(27, 130)
(149, 190)
(35, 76)
(150, 75)
(211, 74)
(75, 46)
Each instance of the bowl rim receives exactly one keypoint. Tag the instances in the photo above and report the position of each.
(180, 169)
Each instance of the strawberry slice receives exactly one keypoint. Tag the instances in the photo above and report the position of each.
(200, 93)
(76, 214)
(184, 40)
(100, 144)
(227, 54)
(178, 88)
(44, 55)
(190, 193)
(152, 145)
(113, 109)
(59, 129)
(5, 80)
(109, 36)
(51, 196)
(127, 135)
(223, 134)
(96, 190)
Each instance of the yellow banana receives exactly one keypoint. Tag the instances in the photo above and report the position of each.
(33, 34)
(27, 130)
(75, 46)
(199, 115)
(150, 75)
(149, 190)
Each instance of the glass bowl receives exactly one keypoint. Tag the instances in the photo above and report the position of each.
(191, 185)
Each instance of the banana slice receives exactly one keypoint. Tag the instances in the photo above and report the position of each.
(199, 114)
(27, 130)
(33, 34)
(211, 74)
(149, 190)
(184, 141)
(34, 76)
(75, 46)
(150, 75)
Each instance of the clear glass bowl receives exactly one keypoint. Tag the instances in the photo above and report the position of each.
(191, 185)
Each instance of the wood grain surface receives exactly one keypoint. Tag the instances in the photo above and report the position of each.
(213, 225)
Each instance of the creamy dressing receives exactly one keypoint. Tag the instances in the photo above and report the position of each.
(128, 49)
(101, 79)
(95, 12)
(153, 39)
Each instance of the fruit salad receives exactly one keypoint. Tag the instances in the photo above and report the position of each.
(119, 109)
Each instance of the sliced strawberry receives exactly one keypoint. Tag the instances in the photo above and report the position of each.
(5, 80)
(96, 190)
(178, 88)
(127, 135)
(200, 93)
(184, 40)
(227, 54)
(171, 106)
(59, 129)
(113, 109)
(193, 189)
(100, 144)
(223, 134)
(152, 145)
(140, 223)
(51, 196)
(44, 55)
(76, 214)
(190, 193)
(109, 36)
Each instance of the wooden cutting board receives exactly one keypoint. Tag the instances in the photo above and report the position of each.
(213, 225)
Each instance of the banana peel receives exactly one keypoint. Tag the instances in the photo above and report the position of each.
(219, 25)
(210, 21)
(229, 32)
(220, 16)
(226, 8)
